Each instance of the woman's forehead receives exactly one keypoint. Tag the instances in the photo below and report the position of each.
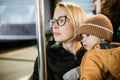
(60, 11)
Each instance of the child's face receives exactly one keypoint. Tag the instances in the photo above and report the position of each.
(89, 41)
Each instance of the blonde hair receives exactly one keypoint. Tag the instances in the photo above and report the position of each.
(75, 13)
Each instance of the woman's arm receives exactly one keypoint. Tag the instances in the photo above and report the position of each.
(35, 72)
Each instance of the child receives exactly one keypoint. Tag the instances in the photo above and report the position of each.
(102, 59)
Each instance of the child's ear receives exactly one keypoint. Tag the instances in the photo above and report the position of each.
(103, 40)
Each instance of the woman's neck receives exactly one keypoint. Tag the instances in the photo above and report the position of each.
(72, 46)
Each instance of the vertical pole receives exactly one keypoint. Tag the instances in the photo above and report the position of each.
(40, 32)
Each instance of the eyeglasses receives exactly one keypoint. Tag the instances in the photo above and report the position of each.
(60, 21)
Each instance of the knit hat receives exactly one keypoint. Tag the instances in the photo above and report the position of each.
(98, 25)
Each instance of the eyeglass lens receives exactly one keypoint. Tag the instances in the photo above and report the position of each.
(60, 21)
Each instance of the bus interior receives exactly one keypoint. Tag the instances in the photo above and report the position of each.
(18, 40)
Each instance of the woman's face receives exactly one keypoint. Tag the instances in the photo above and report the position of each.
(62, 27)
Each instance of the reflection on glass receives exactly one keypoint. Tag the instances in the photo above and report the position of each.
(17, 17)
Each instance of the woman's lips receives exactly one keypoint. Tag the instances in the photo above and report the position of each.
(56, 33)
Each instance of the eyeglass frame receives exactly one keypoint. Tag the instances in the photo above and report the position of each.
(52, 21)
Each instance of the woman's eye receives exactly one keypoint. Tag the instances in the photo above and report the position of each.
(61, 20)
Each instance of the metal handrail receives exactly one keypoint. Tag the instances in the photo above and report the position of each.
(40, 34)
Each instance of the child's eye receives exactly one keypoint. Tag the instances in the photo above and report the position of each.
(87, 35)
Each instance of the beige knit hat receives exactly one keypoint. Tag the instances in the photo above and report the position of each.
(98, 25)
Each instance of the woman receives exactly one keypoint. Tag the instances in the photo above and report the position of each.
(67, 52)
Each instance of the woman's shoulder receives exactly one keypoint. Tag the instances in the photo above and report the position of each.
(54, 49)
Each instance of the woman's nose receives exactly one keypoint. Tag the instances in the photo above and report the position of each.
(55, 25)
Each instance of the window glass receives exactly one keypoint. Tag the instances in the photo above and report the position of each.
(87, 5)
(17, 11)
(17, 19)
